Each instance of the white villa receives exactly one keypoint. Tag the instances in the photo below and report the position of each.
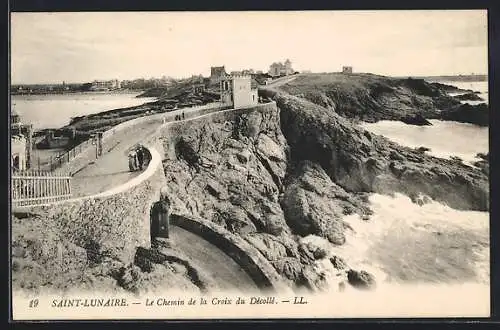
(237, 90)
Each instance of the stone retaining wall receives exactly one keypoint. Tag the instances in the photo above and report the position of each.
(162, 117)
(171, 131)
(248, 257)
(88, 153)
(117, 220)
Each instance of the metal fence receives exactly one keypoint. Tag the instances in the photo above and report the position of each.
(66, 157)
(39, 187)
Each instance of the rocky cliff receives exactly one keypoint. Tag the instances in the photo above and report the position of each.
(281, 171)
(371, 98)
(271, 175)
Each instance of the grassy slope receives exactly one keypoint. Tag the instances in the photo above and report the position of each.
(370, 97)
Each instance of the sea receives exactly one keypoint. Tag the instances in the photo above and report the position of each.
(444, 138)
(56, 110)
(407, 244)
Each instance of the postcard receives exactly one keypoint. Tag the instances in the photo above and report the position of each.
(223, 165)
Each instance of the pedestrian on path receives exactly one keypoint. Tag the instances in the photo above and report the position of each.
(132, 161)
(140, 157)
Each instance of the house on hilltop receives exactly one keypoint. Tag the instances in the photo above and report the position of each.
(281, 69)
(347, 69)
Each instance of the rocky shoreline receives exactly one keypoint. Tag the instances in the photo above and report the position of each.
(275, 174)
(372, 98)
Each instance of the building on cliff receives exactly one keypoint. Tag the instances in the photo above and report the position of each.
(347, 69)
(216, 74)
(238, 91)
(281, 69)
(21, 143)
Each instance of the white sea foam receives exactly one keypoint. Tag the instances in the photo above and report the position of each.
(404, 243)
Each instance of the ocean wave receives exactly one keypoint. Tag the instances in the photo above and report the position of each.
(404, 243)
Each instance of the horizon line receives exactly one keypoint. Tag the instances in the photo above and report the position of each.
(187, 77)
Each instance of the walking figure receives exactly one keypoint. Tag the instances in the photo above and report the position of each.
(99, 143)
(160, 217)
(183, 116)
(140, 157)
(132, 161)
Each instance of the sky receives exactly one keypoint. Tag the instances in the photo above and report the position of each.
(84, 46)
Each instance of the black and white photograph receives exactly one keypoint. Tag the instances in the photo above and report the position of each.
(249, 164)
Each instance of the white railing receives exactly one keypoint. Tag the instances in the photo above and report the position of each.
(39, 187)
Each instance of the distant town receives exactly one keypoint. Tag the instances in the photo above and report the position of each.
(276, 70)
(238, 88)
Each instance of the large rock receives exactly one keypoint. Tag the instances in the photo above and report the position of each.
(361, 279)
(310, 252)
(290, 267)
(298, 169)
(241, 159)
(370, 97)
(466, 113)
(313, 204)
(468, 97)
(338, 263)
(269, 245)
(416, 119)
(269, 148)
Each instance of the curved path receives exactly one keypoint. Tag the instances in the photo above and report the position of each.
(211, 261)
(111, 170)
(280, 81)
